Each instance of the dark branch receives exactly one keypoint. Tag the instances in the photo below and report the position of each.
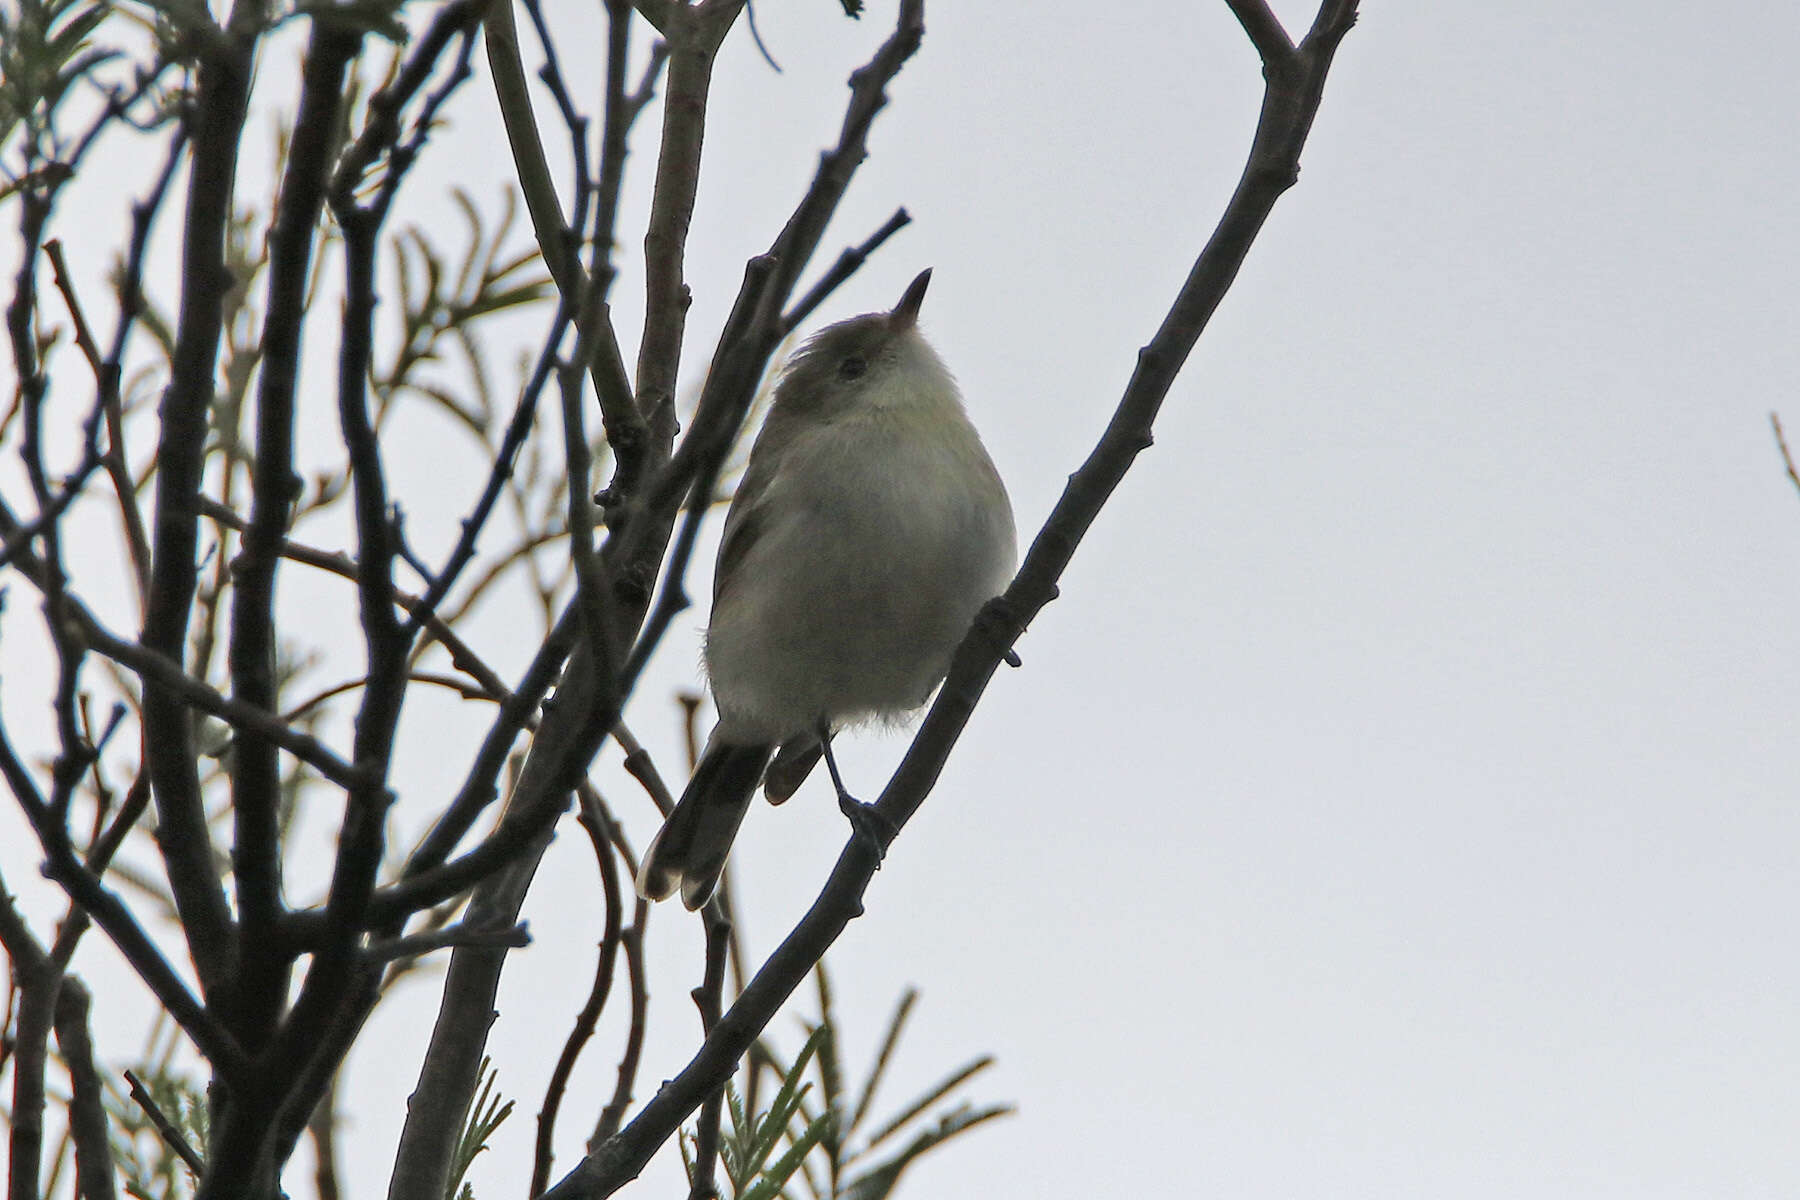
(87, 1109)
(166, 1129)
(709, 998)
(418, 944)
(216, 123)
(255, 767)
(847, 265)
(111, 914)
(1290, 101)
(1264, 29)
(594, 822)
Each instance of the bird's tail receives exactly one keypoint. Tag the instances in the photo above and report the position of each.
(690, 850)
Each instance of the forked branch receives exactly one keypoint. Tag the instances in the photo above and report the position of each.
(1293, 86)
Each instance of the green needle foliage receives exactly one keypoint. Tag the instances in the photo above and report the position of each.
(44, 52)
(487, 1116)
(826, 1148)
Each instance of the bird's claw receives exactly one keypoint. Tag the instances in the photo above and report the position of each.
(868, 825)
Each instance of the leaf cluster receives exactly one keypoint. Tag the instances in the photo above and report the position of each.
(488, 1114)
(46, 47)
(829, 1145)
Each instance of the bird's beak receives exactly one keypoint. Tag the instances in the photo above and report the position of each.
(906, 313)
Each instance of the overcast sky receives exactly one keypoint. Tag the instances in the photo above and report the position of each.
(1401, 799)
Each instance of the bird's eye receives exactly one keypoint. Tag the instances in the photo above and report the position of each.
(853, 367)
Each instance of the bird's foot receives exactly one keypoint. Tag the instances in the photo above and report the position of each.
(868, 825)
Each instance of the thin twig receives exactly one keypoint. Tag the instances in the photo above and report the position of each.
(709, 999)
(594, 821)
(418, 944)
(1787, 459)
(166, 1129)
(84, 337)
(643, 769)
(627, 432)
(322, 1127)
(625, 1084)
(847, 264)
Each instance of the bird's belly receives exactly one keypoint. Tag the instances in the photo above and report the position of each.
(854, 633)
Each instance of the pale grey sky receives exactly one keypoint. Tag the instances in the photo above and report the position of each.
(1400, 801)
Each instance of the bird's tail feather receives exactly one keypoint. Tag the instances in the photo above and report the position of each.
(689, 852)
(793, 763)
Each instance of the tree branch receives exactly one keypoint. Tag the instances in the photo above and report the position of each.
(87, 1110)
(1264, 29)
(131, 304)
(593, 822)
(694, 34)
(216, 125)
(166, 1129)
(255, 769)
(111, 914)
(557, 240)
(1290, 102)
(848, 263)
(708, 998)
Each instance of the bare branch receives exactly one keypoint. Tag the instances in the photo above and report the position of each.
(594, 822)
(216, 130)
(708, 998)
(847, 265)
(35, 979)
(166, 1129)
(694, 35)
(557, 239)
(87, 1111)
(1290, 101)
(111, 914)
(322, 1126)
(1264, 29)
(84, 336)
(263, 970)
(418, 944)
(1787, 458)
(625, 1083)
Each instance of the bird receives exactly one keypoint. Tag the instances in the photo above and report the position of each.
(869, 529)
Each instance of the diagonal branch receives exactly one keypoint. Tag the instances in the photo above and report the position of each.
(111, 914)
(846, 265)
(1264, 29)
(589, 699)
(756, 327)
(1290, 101)
(157, 671)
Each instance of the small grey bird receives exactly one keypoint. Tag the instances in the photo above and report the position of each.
(867, 533)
